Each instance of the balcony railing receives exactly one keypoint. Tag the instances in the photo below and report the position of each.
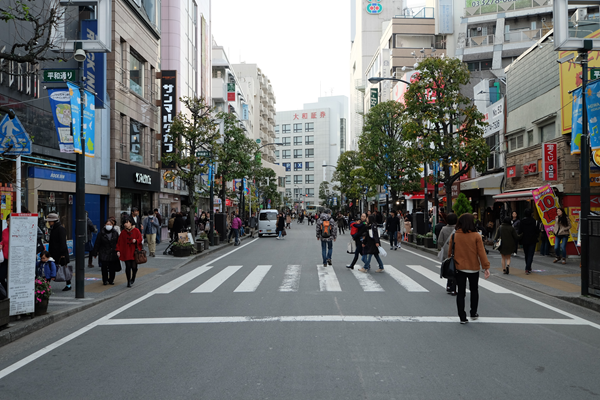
(417, 12)
(523, 36)
(476, 41)
(360, 84)
(478, 9)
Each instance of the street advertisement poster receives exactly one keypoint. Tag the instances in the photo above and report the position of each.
(89, 123)
(577, 122)
(5, 203)
(592, 98)
(21, 263)
(94, 66)
(60, 103)
(547, 204)
(75, 99)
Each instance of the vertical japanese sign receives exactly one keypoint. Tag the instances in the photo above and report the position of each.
(168, 95)
(89, 123)
(60, 104)
(374, 98)
(95, 63)
(21, 263)
(231, 92)
(547, 204)
(550, 161)
(245, 112)
(75, 116)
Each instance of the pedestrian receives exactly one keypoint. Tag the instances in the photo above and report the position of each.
(469, 254)
(370, 244)
(46, 267)
(562, 231)
(288, 221)
(402, 232)
(150, 230)
(137, 220)
(529, 232)
(129, 240)
(439, 226)
(515, 222)
(545, 245)
(178, 226)
(105, 249)
(443, 240)
(509, 242)
(355, 233)
(392, 226)
(236, 225)
(341, 223)
(160, 221)
(89, 232)
(327, 233)
(280, 226)
(407, 225)
(4, 249)
(252, 223)
(57, 244)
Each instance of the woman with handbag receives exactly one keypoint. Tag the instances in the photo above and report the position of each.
(469, 254)
(509, 240)
(562, 231)
(370, 245)
(105, 248)
(130, 240)
(57, 245)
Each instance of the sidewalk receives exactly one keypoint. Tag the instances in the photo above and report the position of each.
(558, 280)
(64, 304)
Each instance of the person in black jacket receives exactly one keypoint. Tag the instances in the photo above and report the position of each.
(105, 248)
(57, 244)
(392, 226)
(530, 233)
(371, 245)
(178, 226)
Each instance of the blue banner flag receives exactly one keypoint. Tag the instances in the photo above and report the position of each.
(60, 103)
(94, 66)
(89, 123)
(576, 125)
(593, 109)
(75, 116)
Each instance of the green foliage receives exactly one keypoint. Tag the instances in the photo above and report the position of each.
(462, 205)
(445, 122)
(325, 193)
(386, 150)
(353, 180)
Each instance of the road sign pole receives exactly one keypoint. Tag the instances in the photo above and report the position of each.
(18, 173)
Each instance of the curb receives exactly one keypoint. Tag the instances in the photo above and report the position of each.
(11, 334)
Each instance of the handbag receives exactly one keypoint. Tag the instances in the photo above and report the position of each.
(448, 268)
(382, 251)
(140, 256)
(64, 273)
(497, 243)
(88, 246)
(283, 233)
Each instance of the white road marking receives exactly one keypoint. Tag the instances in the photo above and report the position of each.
(291, 280)
(254, 279)
(213, 283)
(340, 318)
(429, 274)
(404, 280)
(367, 282)
(328, 281)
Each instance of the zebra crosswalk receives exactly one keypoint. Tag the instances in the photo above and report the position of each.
(248, 279)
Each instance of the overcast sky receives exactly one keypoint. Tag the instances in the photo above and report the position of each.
(302, 46)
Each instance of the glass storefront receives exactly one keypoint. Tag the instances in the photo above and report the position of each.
(141, 200)
(58, 203)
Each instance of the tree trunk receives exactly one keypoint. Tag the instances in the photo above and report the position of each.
(223, 193)
(191, 212)
(448, 185)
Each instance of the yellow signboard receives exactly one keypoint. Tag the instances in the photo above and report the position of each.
(570, 79)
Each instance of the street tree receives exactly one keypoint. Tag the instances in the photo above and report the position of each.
(352, 179)
(386, 149)
(446, 123)
(193, 132)
(462, 205)
(265, 181)
(235, 153)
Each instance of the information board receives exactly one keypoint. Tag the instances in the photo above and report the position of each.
(21, 262)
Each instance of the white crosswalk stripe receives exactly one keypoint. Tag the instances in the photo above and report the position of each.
(404, 280)
(434, 277)
(291, 281)
(328, 281)
(367, 282)
(250, 284)
(217, 280)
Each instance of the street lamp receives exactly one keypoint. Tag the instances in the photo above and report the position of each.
(377, 79)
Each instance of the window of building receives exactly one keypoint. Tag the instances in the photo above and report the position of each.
(310, 192)
(309, 153)
(277, 153)
(136, 153)
(297, 140)
(309, 140)
(288, 192)
(286, 154)
(547, 132)
(298, 153)
(530, 140)
(479, 65)
(342, 134)
(136, 74)
(298, 179)
(309, 127)
(309, 179)
(288, 179)
(297, 128)
(287, 165)
(286, 128)
(276, 128)
(495, 151)
(516, 142)
(297, 193)
(309, 166)
(286, 141)
(298, 166)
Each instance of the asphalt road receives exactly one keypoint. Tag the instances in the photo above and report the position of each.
(264, 321)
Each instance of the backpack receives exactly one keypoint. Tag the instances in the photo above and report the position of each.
(326, 229)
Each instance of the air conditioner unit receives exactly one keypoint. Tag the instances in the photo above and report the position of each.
(478, 29)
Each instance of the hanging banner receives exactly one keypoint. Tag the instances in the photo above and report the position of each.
(550, 161)
(89, 123)
(547, 204)
(60, 104)
(593, 113)
(75, 97)
(94, 64)
(576, 124)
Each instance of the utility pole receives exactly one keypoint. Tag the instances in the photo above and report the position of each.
(585, 174)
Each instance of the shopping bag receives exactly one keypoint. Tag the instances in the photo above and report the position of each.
(63, 273)
(382, 251)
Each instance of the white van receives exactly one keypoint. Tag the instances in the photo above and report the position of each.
(267, 222)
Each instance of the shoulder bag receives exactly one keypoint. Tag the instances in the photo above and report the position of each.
(140, 256)
(498, 242)
(448, 268)
(63, 273)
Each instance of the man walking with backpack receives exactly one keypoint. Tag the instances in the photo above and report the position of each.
(327, 234)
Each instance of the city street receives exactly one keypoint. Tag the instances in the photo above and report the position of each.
(266, 321)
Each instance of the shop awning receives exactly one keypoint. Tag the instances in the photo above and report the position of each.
(515, 195)
(415, 197)
(483, 182)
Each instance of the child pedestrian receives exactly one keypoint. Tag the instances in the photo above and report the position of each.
(46, 267)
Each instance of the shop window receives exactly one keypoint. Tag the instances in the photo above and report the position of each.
(58, 203)
(136, 74)
(135, 139)
(548, 132)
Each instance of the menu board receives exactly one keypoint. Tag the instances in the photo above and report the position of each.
(21, 262)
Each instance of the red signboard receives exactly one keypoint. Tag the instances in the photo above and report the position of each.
(511, 172)
(228, 202)
(530, 169)
(231, 96)
(550, 161)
